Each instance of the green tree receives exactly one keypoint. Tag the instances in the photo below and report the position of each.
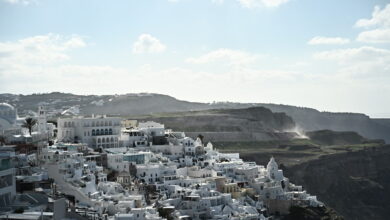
(29, 124)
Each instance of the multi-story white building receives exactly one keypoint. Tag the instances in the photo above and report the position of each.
(96, 131)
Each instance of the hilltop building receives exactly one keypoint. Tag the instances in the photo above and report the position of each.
(96, 131)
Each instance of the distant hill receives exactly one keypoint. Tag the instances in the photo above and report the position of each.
(144, 103)
(249, 124)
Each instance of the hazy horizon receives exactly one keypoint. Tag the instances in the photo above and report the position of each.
(328, 55)
(375, 115)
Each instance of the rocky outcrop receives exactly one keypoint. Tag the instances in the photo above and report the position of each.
(328, 137)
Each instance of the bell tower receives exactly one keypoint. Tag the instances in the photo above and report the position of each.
(42, 121)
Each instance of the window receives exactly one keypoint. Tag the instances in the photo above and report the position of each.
(110, 131)
(106, 131)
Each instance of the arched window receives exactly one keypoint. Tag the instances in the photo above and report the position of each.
(93, 124)
(101, 131)
(106, 131)
(110, 123)
(106, 123)
(107, 140)
(110, 131)
(103, 140)
(102, 123)
(97, 132)
(112, 139)
(99, 140)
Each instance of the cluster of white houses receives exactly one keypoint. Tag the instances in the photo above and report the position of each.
(124, 170)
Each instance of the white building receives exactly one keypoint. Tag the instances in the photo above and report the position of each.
(152, 128)
(97, 132)
(133, 138)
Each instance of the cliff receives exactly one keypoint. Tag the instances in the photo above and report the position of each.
(355, 184)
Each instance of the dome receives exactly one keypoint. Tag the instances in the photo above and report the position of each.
(8, 113)
(6, 106)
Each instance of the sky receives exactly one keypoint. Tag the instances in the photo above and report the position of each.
(331, 55)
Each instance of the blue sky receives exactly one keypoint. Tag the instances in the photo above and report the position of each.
(329, 55)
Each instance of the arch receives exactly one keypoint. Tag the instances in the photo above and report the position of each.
(99, 140)
(106, 131)
(93, 132)
(97, 132)
(102, 131)
(110, 131)
(103, 140)
(107, 140)
(106, 123)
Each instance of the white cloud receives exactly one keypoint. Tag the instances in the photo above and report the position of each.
(41, 49)
(148, 44)
(363, 61)
(328, 40)
(261, 3)
(354, 54)
(21, 2)
(233, 57)
(375, 36)
(380, 20)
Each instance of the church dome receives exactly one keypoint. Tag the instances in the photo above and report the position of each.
(6, 106)
(7, 113)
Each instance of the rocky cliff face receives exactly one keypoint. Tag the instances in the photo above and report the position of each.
(355, 184)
